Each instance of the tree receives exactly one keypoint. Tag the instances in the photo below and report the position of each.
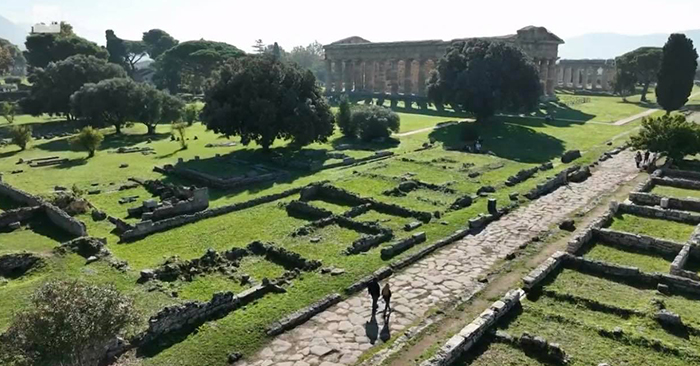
(184, 67)
(483, 77)
(259, 46)
(641, 64)
(89, 139)
(45, 48)
(52, 87)
(344, 117)
(8, 110)
(678, 66)
(311, 58)
(673, 135)
(116, 101)
(68, 323)
(190, 114)
(624, 83)
(262, 99)
(21, 135)
(180, 129)
(19, 63)
(157, 42)
(6, 60)
(123, 52)
(371, 122)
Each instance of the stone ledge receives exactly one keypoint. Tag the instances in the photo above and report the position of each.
(657, 213)
(300, 317)
(538, 274)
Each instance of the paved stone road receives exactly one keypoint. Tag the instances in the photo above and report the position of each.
(342, 333)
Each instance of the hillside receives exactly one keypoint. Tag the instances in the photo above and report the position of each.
(12, 32)
(610, 45)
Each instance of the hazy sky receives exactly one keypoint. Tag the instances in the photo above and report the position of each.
(295, 22)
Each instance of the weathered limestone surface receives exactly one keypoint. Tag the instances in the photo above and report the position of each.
(340, 334)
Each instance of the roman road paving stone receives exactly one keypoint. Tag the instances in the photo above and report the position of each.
(340, 334)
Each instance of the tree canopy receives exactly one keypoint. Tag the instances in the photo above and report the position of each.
(677, 72)
(18, 60)
(483, 77)
(186, 66)
(673, 135)
(124, 52)
(53, 86)
(157, 42)
(310, 58)
(117, 101)
(6, 60)
(261, 98)
(44, 48)
(638, 66)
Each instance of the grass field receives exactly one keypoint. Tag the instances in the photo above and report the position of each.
(644, 260)
(657, 228)
(516, 143)
(667, 191)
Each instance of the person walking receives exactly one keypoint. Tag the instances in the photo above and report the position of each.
(646, 157)
(373, 289)
(638, 158)
(386, 295)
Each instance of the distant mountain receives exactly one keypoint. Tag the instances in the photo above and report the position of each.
(13, 32)
(611, 45)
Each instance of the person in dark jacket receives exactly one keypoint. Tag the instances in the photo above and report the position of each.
(373, 289)
(646, 157)
(386, 295)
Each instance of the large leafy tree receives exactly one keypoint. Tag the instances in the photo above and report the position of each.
(68, 323)
(53, 86)
(261, 98)
(184, 67)
(120, 100)
(673, 135)
(483, 77)
(6, 60)
(19, 63)
(157, 42)
(311, 58)
(680, 61)
(124, 52)
(642, 64)
(45, 48)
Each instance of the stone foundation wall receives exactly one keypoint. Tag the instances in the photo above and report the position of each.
(642, 242)
(552, 184)
(656, 213)
(300, 317)
(198, 202)
(538, 274)
(18, 215)
(217, 182)
(402, 245)
(684, 174)
(59, 217)
(677, 182)
(578, 241)
(649, 199)
(470, 335)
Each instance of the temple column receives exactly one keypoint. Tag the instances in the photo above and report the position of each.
(329, 76)
(339, 69)
(552, 77)
(408, 77)
(543, 74)
(604, 83)
(359, 86)
(380, 77)
(369, 76)
(349, 75)
(421, 78)
(567, 76)
(392, 75)
(585, 77)
(575, 75)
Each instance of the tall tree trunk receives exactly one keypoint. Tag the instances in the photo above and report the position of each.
(645, 90)
(118, 127)
(152, 129)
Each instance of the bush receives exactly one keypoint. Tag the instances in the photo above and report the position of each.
(69, 323)
(343, 118)
(373, 122)
(180, 128)
(8, 110)
(89, 139)
(668, 134)
(190, 114)
(21, 135)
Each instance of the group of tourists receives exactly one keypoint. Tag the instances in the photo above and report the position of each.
(648, 159)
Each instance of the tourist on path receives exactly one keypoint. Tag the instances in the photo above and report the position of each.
(373, 289)
(638, 159)
(646, 157)
(386, 295)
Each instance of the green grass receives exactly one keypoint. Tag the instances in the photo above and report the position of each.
(491, 354)
(599, 108)
(645, 261)
(516, 143)
(667, 191)
(657, 228)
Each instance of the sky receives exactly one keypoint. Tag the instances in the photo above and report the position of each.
(300, 22)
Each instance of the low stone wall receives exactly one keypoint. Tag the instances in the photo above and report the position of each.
(656, 213)
(677, 183)
(684, 174)
(59, 217)
(146, 228)
(17, 264)
(18, 215)
(538, 274)
(578, 241)
(521, 176)
(283, 257)
(649, 199)
(300, 317)
(361, 284)
(218, 182)
(552, 184)
(198, 202)
(642, 242)
(470, 335)
(303, 209)
(413, 258)
(680, 260)
(367, 242)
(403, 245)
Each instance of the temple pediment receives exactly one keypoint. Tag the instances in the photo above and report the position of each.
(352, 40)
(538, 34)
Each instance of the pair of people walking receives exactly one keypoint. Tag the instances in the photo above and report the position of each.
(638, 159)
(374, 291)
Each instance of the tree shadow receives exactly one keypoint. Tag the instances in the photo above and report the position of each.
(8, 154)
(510, 141)
(72, 163)
(111, 141)
(41, 225)
(357, 144)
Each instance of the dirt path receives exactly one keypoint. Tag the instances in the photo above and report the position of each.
(341, 334)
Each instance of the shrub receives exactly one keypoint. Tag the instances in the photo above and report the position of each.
(180, 128)
(344, 116)
(21, 135)
(374, 122)
(190, 114)
(89, 139)
(672, 135)
(8, 110)
(69, 323)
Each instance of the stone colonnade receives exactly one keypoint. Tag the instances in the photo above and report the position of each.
(586, 74)
(392, 76)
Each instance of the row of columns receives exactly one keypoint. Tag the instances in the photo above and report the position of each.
(585, 77)
(377, 76)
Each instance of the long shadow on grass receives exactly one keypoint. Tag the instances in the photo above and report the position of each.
(111, 141)
(506, 140)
